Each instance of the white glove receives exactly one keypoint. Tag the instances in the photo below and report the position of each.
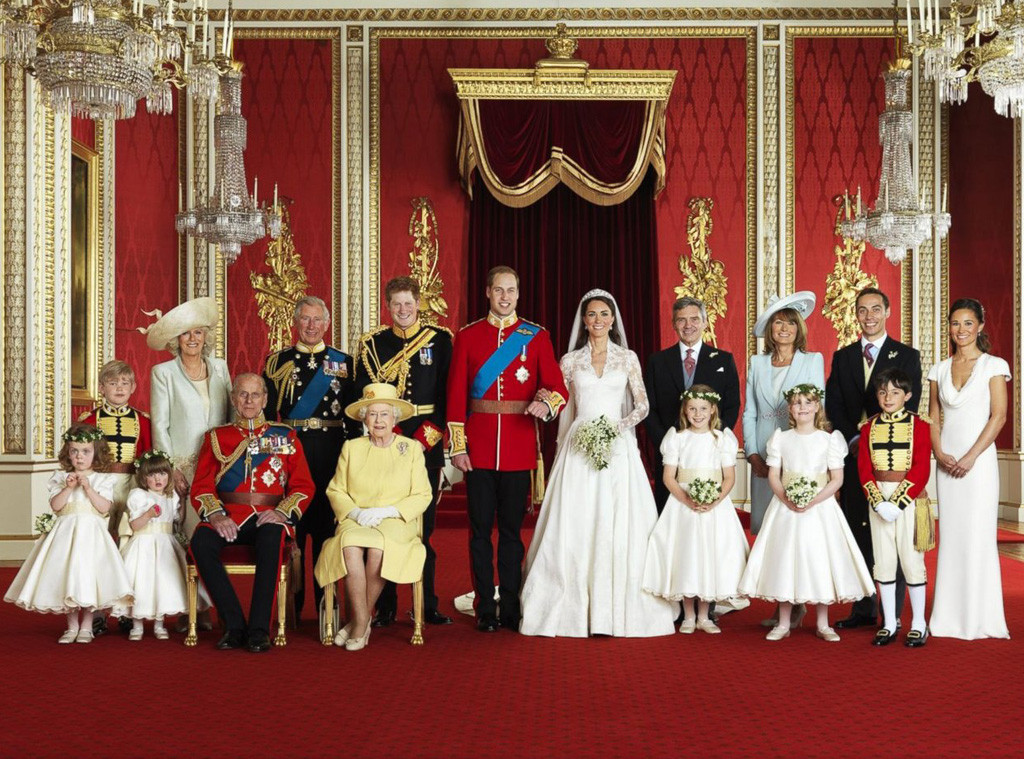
(888, 511)
(374, 516)
(355, 514)
(389, 512)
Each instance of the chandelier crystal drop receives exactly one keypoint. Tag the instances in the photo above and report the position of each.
(896, 224)
(231, 217)
(97, 58)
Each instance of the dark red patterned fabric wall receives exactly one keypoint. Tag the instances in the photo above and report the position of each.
(146, 245)
(837, 98)
(286, 99)
(84, 131)
(981, 238)
(706, 135)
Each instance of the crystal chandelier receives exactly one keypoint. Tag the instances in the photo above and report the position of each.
(231, 217)
(97, 58)
(896, 224)
(983, 42)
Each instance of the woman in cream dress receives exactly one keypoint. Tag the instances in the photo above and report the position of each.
(379, 489)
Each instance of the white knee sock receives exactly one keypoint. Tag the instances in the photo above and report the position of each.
(887, 595)
(917, 594)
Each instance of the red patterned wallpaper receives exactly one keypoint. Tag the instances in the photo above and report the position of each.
(838, 96)
(286, 99)
(706, 132)
(84, 131)
(145, 243)
(981, 203)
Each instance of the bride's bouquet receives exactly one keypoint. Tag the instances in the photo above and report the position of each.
(594, 440)
(703, 490)
(801, 490)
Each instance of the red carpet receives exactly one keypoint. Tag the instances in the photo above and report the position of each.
(1005, 536)
(466, 694)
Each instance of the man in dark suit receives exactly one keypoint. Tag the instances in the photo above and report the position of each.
(849, 402)
(674, 370)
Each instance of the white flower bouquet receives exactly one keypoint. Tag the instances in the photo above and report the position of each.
(182, 539)
(44, 522)
(703, 490)
(801, 491)
(594, 440)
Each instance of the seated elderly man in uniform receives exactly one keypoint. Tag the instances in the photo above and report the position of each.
(250, 487)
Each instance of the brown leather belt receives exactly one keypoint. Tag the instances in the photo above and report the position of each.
(313, 423)
(890, 476)
(498, 407)
(120, 468)
(250, 499)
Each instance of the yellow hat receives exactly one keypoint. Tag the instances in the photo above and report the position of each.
(192, 314)
(380, 392)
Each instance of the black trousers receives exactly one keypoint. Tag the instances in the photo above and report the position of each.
(388, 600)
(206, 548)
(491, 494)
(854, 504)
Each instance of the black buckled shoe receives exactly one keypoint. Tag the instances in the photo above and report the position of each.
(259, 641)
(487, 624)
(383, 618)
(99, 625)
(434, 617)
(856, 620)
(883, 637)
(231, 639)
(916, 639)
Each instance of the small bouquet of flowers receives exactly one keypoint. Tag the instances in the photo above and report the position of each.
(703, 490)
(594, 440)
(801, 490)
(182, 539)
(44, 522)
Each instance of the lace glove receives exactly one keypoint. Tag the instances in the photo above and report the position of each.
(887, 510)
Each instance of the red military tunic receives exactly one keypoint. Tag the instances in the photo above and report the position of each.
(243, 471)
(126, 429)
(497, 433)
(894, 445)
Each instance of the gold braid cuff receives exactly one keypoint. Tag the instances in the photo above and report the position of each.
(554, 403)
(289, 506)
(899, 495)
(873, 493)
(456, 438)
(209, 505)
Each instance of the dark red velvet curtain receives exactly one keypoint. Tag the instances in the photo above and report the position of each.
(601, 136)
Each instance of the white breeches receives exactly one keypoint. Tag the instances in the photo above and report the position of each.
(892, 541)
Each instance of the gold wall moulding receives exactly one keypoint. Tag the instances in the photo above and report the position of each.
(278, 291)
(846, 280)
(703, 277)
(562, 84)
(423, 260)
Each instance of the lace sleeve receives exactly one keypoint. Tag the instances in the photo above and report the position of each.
(567, 366)
(638, 392)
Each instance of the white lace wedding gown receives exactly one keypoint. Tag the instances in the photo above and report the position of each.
(585, 566)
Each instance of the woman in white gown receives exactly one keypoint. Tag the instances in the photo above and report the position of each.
(585, 566)
(969, 389)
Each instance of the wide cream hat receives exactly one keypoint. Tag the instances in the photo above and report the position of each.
(802, 302)
(199, 312)
(380, 392)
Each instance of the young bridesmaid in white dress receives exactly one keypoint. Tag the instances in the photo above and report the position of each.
(154, 558)
(805, 553)
(698, 549)
(75, 568)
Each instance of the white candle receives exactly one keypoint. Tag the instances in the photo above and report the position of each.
(886, 194)
(945, 196)
(920, 15)
(275, 196)
(224, 41)
(858, 200)
(179, 197)
(910, 26)
(170, 12)
(846, 202)
(255, 192)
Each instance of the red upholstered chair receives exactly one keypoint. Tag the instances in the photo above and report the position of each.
(241, 560)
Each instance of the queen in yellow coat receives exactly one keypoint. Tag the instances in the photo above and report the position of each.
(379, 489)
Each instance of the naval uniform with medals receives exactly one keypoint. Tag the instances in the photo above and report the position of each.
(415, 361)
(308, 388)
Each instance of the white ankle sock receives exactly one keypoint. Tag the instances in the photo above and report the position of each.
(136, 625)
(887, 595)
(917, 596)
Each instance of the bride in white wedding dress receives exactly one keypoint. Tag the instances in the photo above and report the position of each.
(585, 565)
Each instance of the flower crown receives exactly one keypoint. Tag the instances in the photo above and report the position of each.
(83, 435)
(705, 395)
(807, 389)
(154, 453)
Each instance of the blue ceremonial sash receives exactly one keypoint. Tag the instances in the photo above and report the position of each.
(492, 368)
(307, 404)
(235, 475)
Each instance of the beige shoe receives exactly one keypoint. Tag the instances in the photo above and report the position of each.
(687, 628)
(68, 636)
(777, 633)
(343, 635)
(827, 634)
(709, 627)
(357, 644)
(135, 633)
(84, 636)
(160, 633)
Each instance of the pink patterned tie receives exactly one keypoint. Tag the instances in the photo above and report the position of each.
(869, 354)
(689, 364)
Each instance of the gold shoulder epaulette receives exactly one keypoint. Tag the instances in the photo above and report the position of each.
(467, 326)
(375, 331)
(439, 328)
(538, 326)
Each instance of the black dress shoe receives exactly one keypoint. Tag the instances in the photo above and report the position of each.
(99, 626)
(124, 624)
(487, 624)
(259, 641)
(856, 620)
(383, 618)
(231, 639)
(916, 639)
(510, 624)
(883, 637)
(434, 617)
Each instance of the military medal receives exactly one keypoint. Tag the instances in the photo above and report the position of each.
(522, 374)
(276, 464)
(335, 368)
(268, 477)
(335, 386)
(335, 407)
(311, 364)
(427, 355)
(522, 355)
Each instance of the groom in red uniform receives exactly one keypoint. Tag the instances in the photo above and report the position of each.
(503, 378)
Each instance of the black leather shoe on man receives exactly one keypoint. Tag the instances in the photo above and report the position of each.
(259, 641)
(231, 639)
(510, 624)
(383, 618)
(856, 620)
(99, 625)
(434, 617)
(487, 624)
